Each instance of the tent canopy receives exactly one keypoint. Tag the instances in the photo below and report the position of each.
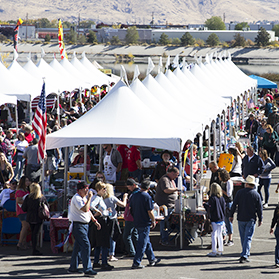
(121, 118)
(263, 82)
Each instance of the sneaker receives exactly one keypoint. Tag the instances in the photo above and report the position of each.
(276, 266)
(74, 271)
(154, 262)
(137, 266)
(230, 243)
(90, 273)
(244, 260)
(96, 265)
(265, 205)
(225, 242)
(107, 267)
(112, 258)
(219, 254)
(212, 254)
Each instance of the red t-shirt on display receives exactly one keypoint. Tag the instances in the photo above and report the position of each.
(123, 150)
(133, 156)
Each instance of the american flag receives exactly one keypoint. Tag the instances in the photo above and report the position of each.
(39, 124)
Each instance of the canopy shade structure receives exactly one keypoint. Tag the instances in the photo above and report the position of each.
(121, 118)
(7, 99)
(263, 82)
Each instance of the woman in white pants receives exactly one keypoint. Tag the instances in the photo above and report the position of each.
(216, 208)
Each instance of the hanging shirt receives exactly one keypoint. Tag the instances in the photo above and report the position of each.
(109, 169)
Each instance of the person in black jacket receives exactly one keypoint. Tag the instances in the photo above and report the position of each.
(275, 221)
(216, 208)
(31, 206)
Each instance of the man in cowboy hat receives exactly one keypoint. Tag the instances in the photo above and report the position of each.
(249, 206)
(162, 167)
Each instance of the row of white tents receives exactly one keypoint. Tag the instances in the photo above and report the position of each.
(161, 112)
(26, 82)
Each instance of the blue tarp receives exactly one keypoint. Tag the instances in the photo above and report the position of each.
(263, 82)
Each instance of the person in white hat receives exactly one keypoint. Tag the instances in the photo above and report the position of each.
(248, 203)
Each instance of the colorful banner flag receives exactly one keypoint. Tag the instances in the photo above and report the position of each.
(40, 123)
(19, 22)
(61, 40)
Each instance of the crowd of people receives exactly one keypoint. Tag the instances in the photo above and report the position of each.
(92, 209)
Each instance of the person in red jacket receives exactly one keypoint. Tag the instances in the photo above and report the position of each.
(134, 163)
(27, 133)
(123, 150)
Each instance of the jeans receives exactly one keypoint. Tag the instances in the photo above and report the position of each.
(82, 247)
(9, 158)
(276, 233)
(266, 183)
(216, 236)
(246, 231)
(164, 224)
(130, 236)
(112, 247)
(229, 225)
(97, 251)
(144, 246)
(19, 166)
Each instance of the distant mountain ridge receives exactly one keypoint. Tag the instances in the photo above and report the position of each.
(140, 11)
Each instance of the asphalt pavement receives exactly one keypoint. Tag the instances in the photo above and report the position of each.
(190, 262)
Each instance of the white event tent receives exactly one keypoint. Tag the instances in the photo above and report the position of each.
(94, 71)
(121, 118)
(95, 79)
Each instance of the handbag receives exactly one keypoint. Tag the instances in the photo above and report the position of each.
(43, 211)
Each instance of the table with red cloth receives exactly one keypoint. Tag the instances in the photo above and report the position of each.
(191, 221)
(188, 218)
(194, 218)
(57, 224)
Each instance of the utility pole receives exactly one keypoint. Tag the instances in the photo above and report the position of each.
(224, 17)
(26, 25)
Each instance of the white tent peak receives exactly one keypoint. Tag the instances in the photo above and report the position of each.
(136, 72)
(150, 66)
(15, 55)
(42, 53)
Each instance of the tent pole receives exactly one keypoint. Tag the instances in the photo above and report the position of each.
(209, 144)
(30, 111)
(16, 118)
(219, 136)
(246, 100)
(229, 119)
(201, 152)
(100, 158)
(180, 201)
(238, 112)
(85, 163)
(225, 131)
(66, 166)
(214, 140)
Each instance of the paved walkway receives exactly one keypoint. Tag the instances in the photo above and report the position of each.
(190, 262)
